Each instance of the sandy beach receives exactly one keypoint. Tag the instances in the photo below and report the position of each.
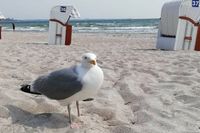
(144, 91)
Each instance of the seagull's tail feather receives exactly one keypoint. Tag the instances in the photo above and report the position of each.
(27, 88)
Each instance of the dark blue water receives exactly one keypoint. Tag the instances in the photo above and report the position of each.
(90, 25)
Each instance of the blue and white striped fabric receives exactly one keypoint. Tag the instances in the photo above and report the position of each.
(75, 13)
(2, 16)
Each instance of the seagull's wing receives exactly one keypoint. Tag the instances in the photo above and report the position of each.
(59, 84)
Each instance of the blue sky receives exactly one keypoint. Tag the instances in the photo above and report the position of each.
(39, 9)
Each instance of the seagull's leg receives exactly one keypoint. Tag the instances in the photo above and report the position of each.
(72, 125)
(77, 106)
(69, 113)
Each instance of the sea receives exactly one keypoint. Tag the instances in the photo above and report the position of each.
(116, 26)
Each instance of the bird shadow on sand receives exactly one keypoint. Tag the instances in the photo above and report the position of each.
(49, 120)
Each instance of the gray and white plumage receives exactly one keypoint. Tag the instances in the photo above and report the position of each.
(76, 83)
(58, 85)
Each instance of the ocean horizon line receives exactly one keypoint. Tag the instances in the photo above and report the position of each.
(74, 19)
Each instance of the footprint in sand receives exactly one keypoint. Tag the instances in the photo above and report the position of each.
(122, 129)
(142, 117)
(125, 92)
(186, 99)
(147, 89)
(4, 112)
(105, 113)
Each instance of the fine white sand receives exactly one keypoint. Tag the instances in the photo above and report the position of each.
(145, 90)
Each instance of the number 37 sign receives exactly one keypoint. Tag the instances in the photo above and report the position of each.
(195, 3)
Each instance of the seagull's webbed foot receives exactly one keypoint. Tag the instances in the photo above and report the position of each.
(75, 125)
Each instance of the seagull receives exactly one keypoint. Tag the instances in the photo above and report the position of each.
(77, 83)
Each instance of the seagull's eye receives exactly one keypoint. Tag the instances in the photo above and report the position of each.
(85, 57)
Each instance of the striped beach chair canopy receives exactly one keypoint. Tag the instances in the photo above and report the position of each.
(64, 13)
(2, 16)
(74, 12)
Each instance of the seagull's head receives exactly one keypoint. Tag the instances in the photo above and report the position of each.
(89, 60)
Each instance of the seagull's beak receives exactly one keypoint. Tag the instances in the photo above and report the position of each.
(93, 62)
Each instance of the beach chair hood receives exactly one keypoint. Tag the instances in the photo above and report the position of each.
(64, 13)
(2, 16)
